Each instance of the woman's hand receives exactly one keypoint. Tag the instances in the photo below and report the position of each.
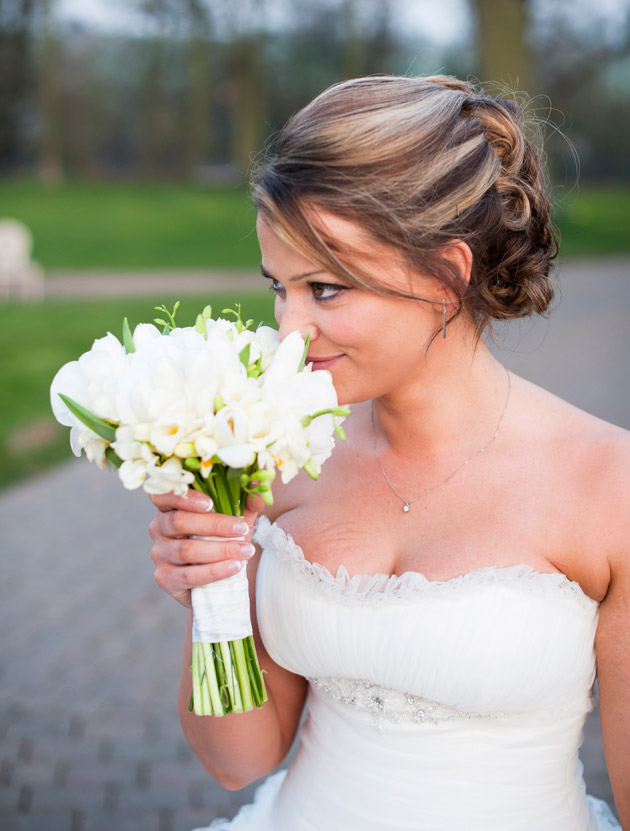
(183, 563)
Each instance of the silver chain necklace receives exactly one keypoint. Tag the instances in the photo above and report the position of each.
(407, 503)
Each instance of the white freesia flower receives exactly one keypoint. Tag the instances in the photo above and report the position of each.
(181, 370)
(90, 381)
(176, 426)
(94, 446)
(128, 448)
(287, 358)
(290, 398)
(169, 477)
(133, 473)
(144, 333)
(231, 432)
(267, 339)
(137, 458)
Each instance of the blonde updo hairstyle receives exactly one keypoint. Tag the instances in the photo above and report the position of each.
(417, 162)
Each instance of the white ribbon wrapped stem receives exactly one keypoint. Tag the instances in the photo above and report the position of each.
(221, 610)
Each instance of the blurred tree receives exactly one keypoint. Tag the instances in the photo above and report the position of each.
(80, 106)
(355, 43)
(205, 81)
(245, 25)
(249, 111)
(157, 18)
(199, 114)
(504, 56)
(17, 22)
(50, 149)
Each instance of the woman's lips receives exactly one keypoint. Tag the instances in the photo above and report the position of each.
(323, 362)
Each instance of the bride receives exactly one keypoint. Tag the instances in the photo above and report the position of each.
(438, 596)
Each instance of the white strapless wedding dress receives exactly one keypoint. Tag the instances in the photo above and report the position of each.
(432, 706)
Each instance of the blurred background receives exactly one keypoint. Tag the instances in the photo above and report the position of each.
(127, 130)
(126, 133)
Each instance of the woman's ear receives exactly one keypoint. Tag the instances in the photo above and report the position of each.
(458, 254)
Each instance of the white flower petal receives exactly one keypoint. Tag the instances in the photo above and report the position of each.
(239, 455)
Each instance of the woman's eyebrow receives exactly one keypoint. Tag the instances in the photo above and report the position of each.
(293, 279)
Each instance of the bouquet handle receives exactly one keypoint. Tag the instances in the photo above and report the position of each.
(226, 674)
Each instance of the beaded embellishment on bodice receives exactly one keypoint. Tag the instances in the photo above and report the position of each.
(387, 705)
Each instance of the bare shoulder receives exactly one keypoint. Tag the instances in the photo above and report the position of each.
(589, 459)
(602, 449)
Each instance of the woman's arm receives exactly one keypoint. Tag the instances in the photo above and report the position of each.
(610, 512)
(238, 748)
(613, 673)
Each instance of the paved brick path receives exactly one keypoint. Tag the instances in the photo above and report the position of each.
(104, 284)
(89, 738)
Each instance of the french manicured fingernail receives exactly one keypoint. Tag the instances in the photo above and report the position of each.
(234, 566)
(209, 505)
(240, 528)
(247, 550)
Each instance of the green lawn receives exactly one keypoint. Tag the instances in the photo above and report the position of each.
(594, 222)
(162, 226)
(134, 226)
(37, 338)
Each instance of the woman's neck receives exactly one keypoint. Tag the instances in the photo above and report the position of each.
(453, 405)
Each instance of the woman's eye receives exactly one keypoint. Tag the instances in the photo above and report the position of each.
(276, 287)
(326, 291)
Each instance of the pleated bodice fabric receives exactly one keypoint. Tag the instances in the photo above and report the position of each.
(432, 706)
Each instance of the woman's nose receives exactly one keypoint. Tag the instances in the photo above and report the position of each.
(293, 318)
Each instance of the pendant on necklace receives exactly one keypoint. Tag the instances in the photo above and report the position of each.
(406, 507)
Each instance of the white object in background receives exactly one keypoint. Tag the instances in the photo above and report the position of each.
(18, 275)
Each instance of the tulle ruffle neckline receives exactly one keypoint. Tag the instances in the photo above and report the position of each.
(380, 588)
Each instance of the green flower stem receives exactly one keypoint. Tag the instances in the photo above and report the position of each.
(255, 673)
(226, 678)
(240, 661)
(224, 502)
(221, 678)
(212, 682)
(236, 703)
(196, 678)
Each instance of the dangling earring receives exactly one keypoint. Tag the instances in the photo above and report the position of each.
(444, 318)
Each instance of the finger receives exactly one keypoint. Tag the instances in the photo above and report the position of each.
(177, 580)
(194, 502)
(177, 523)
(199, 552)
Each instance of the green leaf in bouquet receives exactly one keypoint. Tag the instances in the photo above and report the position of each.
(334, 411)
(243, 355)
(170, 322)
(237, 315)
(240, 326)
(127, 337)
(105, 429)
(266, 496)
(202, 318)
(233, 481)
(113, 459)
(305, 353)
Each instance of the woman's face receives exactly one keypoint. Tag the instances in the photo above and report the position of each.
(371, 344)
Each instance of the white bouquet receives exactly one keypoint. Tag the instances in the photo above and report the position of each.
(217, 407)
